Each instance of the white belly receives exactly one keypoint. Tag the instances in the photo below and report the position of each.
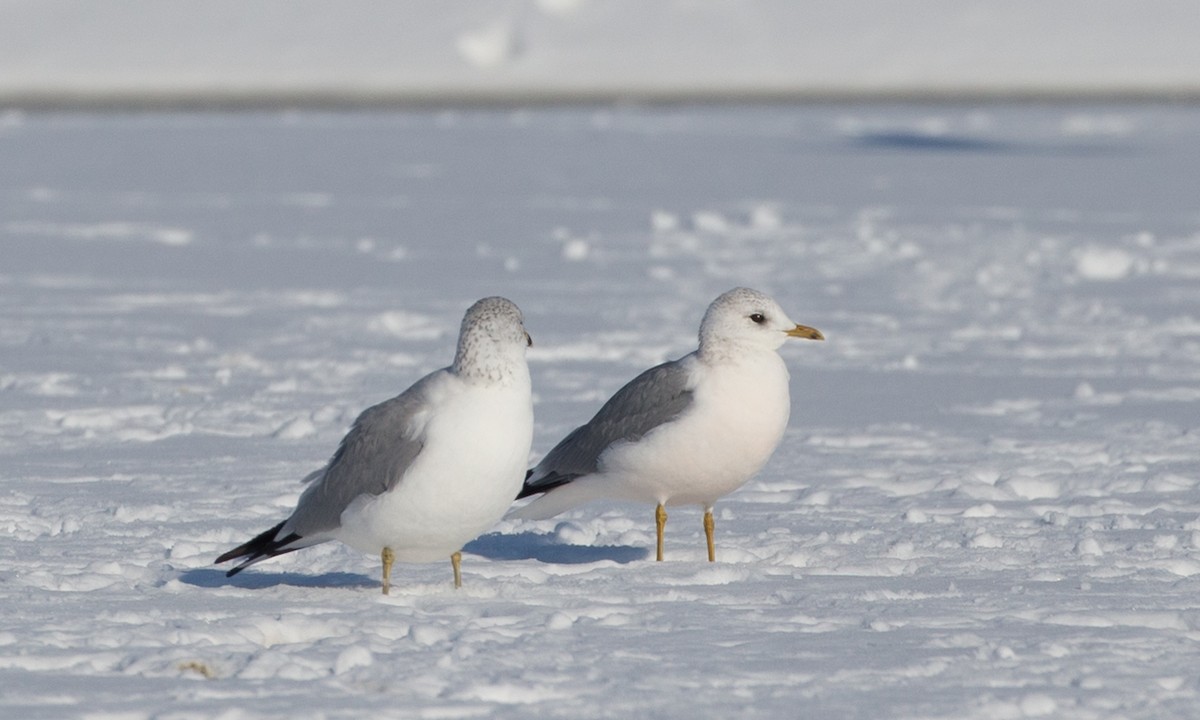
(738, 418)
(466, 476)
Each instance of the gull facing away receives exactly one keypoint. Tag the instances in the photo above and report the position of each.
(422, 474)
(686, 432)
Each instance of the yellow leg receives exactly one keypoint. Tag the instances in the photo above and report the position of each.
(660, 520)
(456, 562)
(388, 557)
(709, 526)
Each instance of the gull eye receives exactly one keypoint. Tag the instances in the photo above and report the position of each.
(758, 318)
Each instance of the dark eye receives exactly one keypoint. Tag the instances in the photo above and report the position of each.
(758, 318)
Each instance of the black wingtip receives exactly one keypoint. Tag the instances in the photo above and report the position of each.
(234, 553)
(262, 546)
(544, 484)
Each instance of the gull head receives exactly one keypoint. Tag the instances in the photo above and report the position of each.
(749, 319)
(492, 341)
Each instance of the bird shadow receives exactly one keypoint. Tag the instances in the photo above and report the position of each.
(209, 578)
(915, 141)
(544, 547)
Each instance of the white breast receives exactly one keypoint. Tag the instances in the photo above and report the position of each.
(476, 447)
(738, 417)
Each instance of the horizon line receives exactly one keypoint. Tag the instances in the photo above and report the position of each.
(335, 99)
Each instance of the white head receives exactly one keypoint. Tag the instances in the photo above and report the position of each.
(492, 341)
(747, 319)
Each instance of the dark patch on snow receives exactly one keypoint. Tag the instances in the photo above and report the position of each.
(545, 547)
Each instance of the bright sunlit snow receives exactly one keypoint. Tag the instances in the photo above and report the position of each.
(376, 51)
(985, 505)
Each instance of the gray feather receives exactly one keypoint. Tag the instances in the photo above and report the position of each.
(371, 460)
(657, 396)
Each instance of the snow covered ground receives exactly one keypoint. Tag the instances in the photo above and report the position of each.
(230, 52)
(987, 504)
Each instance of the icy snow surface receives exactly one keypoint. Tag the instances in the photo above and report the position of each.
(378, 51)
(986, 504)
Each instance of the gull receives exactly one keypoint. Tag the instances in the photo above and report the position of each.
(686, 432)
(422, 474)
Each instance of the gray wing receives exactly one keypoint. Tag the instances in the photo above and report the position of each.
(653, 398)
(371, 459)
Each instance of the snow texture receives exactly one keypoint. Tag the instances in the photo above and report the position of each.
(986, 504)
(377, 52)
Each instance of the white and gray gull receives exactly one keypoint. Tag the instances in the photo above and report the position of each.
(686, 432)
(422, 474)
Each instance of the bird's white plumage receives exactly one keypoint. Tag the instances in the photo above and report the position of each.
(737, 415)
(475, 426)
(476, 440)
(737, 418)
(428, 471)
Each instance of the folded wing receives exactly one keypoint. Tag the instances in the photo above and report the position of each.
(656, 397)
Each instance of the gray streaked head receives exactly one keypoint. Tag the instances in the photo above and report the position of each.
(492, 339)
(745, 318)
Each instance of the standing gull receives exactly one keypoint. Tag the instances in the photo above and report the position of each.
(422, 474)
(686, 432)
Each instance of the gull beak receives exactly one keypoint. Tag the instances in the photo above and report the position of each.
(805, 332)
(529, 340)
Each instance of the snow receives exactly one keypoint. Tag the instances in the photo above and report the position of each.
(985, 505)
(223, 52)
